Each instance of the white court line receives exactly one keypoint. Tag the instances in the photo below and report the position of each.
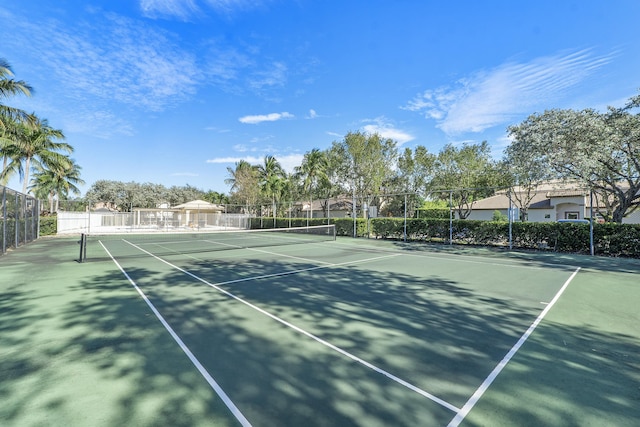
(462, 413)
(238, 247)
(214, 385)
(456, 258)
(302, 331)
(270, 253)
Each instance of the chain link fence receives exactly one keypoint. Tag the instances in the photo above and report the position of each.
(20, 215)
(495, 220)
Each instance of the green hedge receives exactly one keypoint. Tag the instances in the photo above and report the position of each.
(48, 225)
(609, 239)
(433, 213)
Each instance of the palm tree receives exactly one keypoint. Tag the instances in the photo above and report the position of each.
(9, 116)
(37, 147)
(313, 173)
(58, 181)
(244, 182)
(8, 134)
(271, 179)
(237, 175)
(10, 87)
(215, 197)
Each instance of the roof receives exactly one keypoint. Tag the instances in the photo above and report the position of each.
(540, 200)
(342, 204)
(200, 205)
(566, 193)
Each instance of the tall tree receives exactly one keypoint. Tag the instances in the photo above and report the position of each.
(215, 197)
(599, 150)
(313, 173)
(10, 87)
(413, 173)
(56, 183)
(10, 117)
(36, 146)
(466, 174)
(366, 162)
(126, 195)
(525, 176)
(271, 180)
(243, 180)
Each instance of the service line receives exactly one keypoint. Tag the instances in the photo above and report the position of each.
(325, 343)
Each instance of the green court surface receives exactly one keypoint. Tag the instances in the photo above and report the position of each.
(337, 333)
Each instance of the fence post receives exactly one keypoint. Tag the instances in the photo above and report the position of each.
(405, 218)
(4, 220)
(16, 226)
(353, 212)
(328, 211)
(591, 243)
(451, 217)
(510, 211)
(38, 219)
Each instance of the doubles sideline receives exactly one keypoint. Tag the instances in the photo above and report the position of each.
(461, 413)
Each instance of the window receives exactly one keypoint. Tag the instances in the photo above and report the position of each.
(571, 215)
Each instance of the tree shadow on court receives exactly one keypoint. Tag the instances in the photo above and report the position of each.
(541, 258)
(432, 332)
(98, 358)
(106, 345)
(566, 376)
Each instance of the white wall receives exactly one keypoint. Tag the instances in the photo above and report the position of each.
(634, 218)
(538, 215)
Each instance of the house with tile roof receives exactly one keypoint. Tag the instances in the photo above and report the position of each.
(549, 202)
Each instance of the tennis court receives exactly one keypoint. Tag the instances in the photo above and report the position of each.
(265, 330)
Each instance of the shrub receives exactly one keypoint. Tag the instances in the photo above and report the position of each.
(48, 225)
(609, 239)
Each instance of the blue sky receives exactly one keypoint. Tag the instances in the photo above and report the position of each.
(175, 91)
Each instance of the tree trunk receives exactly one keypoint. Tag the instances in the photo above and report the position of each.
(27, 165)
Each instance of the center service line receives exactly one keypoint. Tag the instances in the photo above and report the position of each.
(308, 334)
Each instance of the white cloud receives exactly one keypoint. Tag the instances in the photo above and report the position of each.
(489, 98)
(108, 60)
(312, 114)
(290, 161)
(185, 9)
(99, 123)
(231, 6)
(181, 9)
(272, 117)
(275, 75)
(386, 130)
(232, 160)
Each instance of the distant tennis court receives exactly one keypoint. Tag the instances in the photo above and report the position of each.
(293, 327)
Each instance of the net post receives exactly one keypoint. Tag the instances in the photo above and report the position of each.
(83, 247)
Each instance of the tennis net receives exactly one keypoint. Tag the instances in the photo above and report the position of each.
(95, 246)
